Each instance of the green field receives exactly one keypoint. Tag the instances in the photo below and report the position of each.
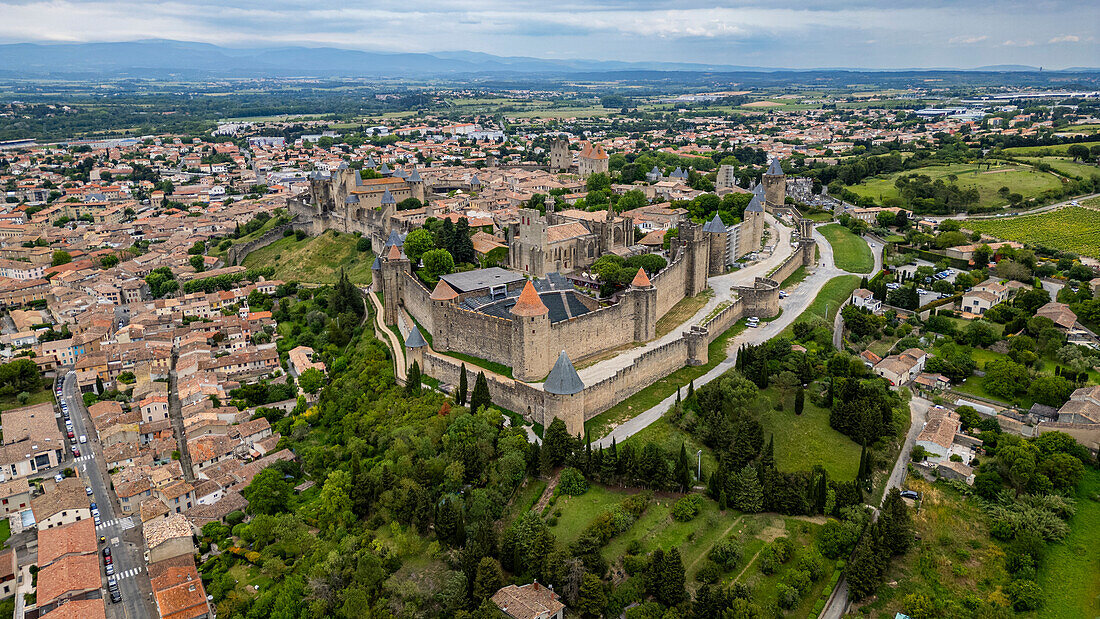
(1070, 573)
(1039, 151)
(850, 252)
(315, 260)
(802, 441)
(1079, 129)
(1075, 229)
(825, 305)
(1024, 180)
(1066, 166)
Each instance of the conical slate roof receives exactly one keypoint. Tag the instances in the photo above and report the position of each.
(399, 174)
(775, 169)
(377, 264)
(529, 303)
(474, 180)
(563, 379)
(370, 163)
(385, 169)
(655, 171)
(756, 205)
(415, 340)
(414, 177)
(395, 239)
(387, 198)
(715, 225)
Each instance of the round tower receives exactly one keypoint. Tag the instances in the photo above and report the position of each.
(718, 236)
(564, 396)
(775, 186)
(530, 336)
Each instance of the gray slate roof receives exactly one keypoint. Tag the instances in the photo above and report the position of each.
(756, 205)
(385, 169)
(377, 264)
(387, 198)
(415, 177)
(563, 379)
(351, 199)
(775, 169)
(415, 340)
(715, 225)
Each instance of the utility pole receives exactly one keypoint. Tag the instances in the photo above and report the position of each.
(699, 464)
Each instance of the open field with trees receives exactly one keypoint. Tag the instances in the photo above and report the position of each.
(315, 260)
(1042, 151)
(825, 305)
(1024, 180)
(850, 252)
(1073, 229)
(1066, 166)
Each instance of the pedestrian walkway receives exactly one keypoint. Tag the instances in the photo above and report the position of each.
(129, 573)
(88, 456)
(125, 523)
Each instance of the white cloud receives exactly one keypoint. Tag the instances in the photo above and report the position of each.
(1065, 38)
(1023, 43)
(967, 40)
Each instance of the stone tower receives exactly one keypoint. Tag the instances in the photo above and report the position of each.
(564, 396)
(530, 336)
(727, 178)
(392, 266)
(695, 249)
(416, 185)
(414, 349)
(718, 236)
(644, 294)
(526, 250)
(560, 159)
(752, 228)
(775, 186)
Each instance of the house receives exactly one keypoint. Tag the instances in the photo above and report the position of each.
(533, 601)
(8, 571)
(1063, 317)
(32, 441)
(300, 359)
(865, 299)
(1083, 406)
(65, 504)
(938, 434)
(177, 589)
(74, 539)
(90, 608)
(167, 538)
(932, 382)
(984, 296)
(75, 577)
(154, 407)
(132, 493)
(903, 368)
(15, 496)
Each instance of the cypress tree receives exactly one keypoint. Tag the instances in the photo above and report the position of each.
(750, 495)
(98, 385)
(683, 470)
(896, 523)
(691, 389)
(610, 464)
(672, 591)
(799, 400)
(412, 380)
(463, 387)
(767, 461)
(864, 570)
(480, 396)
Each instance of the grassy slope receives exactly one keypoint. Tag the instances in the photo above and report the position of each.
(1066, 166)
(825, 304)
(314, 260)
(850, 252)
(801, 441)
(1070, 573)
(1024, 180)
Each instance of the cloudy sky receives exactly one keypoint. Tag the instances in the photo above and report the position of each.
(809, 33)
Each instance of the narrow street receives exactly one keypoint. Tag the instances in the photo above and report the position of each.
(123, 533)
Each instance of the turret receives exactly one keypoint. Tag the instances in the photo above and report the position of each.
(414, 349)
(565, 396)
(775, 186)
(718, 237)
(644, 295)
(392, 266)
(530, 335)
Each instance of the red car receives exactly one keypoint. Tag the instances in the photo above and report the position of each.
(76, 452)
(71, 435)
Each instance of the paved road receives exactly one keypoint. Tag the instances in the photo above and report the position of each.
(125, 544)
(798, 299)
(918, 410)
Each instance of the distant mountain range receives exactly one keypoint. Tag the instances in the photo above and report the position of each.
(157, 58)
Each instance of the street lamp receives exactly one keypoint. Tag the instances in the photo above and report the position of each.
(699, 464)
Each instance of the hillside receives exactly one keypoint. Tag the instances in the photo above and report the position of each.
(315, 260)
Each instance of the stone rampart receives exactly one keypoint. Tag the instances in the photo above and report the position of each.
(239, 251)
(670, 283)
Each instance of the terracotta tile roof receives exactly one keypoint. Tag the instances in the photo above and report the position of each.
(80, 609)
(443, 292)
(533, 601)
(940, 429)
(529, 303)
(641, 280)
(77, 573)
(76, 538)
(561, 232)
(394, 253)
(67, 495)
(184, 600)
(159, 531)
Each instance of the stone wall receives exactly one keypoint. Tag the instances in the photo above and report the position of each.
(416, 299)
(723, 320)
(239, 251)
(646, 369)
(473, 333)
(669, 283)
(595, 332)
(1088, 434)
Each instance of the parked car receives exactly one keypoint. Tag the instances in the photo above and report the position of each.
(58, 477)
(83, 439)
(910, 494)
(71, 435)
(88, 490)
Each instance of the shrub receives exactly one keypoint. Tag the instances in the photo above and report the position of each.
(572, 482)
(710, 573)
(687, 507)
(234, 518)
(1025, 595)
(787, 597)
(726, 553)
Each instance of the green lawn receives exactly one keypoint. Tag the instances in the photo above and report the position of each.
(802, 441)
(824, 307)
(1070, 573)
(315, 259)
(647, 398)
(38, 397)
(577, 512)
(850, 252)
(794, 278)
(820, 216)
(1021, 179)
(1066, 166)
(1040, 151)
(484, 364)
(5, 531)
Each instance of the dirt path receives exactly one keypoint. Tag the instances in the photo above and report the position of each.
(748, 565)
(720, 538)
(551, 484)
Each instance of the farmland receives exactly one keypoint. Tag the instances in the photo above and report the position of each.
(1025, 180)
(1075, 229)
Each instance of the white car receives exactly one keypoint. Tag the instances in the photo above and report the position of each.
(88, 490)
(58, 477)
